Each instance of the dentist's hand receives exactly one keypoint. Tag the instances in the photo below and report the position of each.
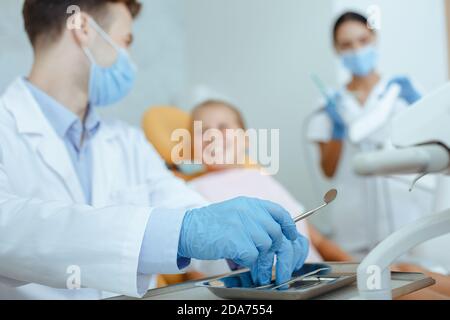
(290, 257)
(339, 127)
(248, 231)
(408, 92)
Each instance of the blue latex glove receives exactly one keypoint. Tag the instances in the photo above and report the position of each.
(290, 258)
(339, 127)
(408, 92)
(248, 231)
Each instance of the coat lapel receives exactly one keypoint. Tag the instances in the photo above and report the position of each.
(105, 164)
(34, 127)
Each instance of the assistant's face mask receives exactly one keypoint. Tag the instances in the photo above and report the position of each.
(109, 85)
(361, 62)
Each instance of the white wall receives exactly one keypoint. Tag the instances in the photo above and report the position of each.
(260, 53)
(159, 54)
(15, 53)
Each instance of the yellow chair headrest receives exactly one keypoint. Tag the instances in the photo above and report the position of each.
(159, 123)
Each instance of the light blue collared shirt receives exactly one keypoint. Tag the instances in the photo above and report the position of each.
(76, 135)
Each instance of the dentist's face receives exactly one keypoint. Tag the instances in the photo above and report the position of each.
(352, 36)
(118, 23)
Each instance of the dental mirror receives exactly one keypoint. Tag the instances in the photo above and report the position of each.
(329, 197)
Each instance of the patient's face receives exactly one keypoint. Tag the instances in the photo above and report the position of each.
(223, 119)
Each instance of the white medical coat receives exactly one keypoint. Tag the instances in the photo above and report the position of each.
(46, 230)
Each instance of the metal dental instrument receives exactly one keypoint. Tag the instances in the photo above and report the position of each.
(293, 280)
(329, 197)
(300, 278)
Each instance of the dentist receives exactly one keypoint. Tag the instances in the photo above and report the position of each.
(86, 206)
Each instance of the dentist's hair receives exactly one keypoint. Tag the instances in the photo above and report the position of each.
(47, 18)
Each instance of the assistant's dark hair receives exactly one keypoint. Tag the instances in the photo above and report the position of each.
(348, 16)
(47, 18)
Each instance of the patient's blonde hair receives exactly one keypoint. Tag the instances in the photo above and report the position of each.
(210, 104)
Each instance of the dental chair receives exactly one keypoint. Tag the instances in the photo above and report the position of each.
(159, 123)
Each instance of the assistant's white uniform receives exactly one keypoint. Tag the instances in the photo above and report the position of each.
(368, 209)
(46, 231)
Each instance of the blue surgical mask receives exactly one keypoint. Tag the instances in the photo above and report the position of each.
(361, 62)
(109, 85)
(191, 168)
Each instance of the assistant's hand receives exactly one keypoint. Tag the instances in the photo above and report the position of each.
(248, 231)
(339, 127)
(408, 92)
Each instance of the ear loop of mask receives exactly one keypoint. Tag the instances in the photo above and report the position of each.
(89, 55)
(105, 37)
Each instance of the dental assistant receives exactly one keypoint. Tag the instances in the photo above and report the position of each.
(356, 118)
(87, 208)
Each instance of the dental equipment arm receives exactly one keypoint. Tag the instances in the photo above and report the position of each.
(365, 126)
(374, 276)
(422, 136)
(432, 158)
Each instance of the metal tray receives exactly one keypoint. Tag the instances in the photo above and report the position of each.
(238, 285)
(402, 285)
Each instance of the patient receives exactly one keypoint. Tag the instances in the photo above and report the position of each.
(227, 181)
(222, 182)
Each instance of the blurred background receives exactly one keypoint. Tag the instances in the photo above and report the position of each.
(260, 54)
